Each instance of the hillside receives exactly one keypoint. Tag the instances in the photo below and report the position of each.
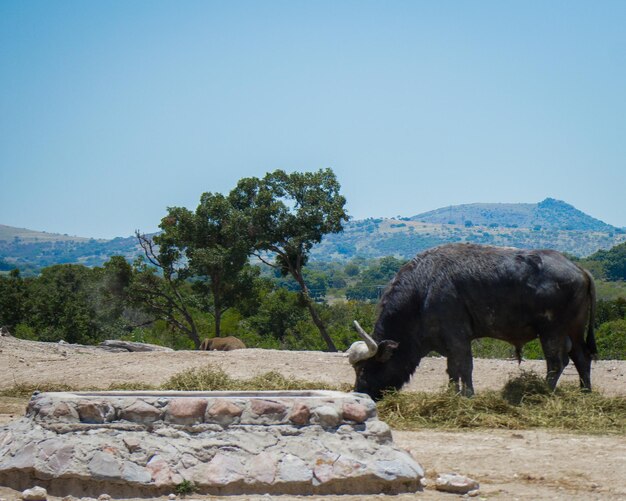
(22, 235)
(550, 214)
(547, 224)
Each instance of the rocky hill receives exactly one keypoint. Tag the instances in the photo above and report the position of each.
(548, 224)
(550, 214)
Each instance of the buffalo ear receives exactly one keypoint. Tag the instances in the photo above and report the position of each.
(386, 348)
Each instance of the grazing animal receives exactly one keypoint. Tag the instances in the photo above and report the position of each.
(447, 296)
(227, 343)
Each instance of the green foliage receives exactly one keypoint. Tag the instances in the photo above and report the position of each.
(612, 263)
(610, 291)
(13, 299)
(215, 245)
(611, 340)
(495, 348)
(373, 280)
(286, 214)
(186, 487)
(607, 311)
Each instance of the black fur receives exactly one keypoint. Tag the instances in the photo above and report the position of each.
(447, 296)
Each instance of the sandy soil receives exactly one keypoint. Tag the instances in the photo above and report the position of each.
(530, 464)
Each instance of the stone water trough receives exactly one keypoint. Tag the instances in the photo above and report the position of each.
(143, 444)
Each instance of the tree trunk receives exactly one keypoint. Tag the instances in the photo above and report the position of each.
(218, 321)
(314, 314)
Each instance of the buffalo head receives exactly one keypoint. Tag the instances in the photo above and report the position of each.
(372, 363)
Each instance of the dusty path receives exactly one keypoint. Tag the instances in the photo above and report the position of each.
(529, 464)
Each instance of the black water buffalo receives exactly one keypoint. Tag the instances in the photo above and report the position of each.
(447, 296)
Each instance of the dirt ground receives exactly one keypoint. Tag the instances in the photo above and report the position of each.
(528, 464)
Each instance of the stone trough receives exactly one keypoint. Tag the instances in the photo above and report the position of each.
(143, 444)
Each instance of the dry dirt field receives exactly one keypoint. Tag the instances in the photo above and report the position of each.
(528, 464)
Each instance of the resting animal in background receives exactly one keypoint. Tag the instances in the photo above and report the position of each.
(447, 296)
(227, 343)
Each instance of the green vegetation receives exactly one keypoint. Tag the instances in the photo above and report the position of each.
(186, 487)
(243, 264)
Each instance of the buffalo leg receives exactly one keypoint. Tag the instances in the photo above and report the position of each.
(453, 375)
(582, 361)
(460, 367)
(556, 358)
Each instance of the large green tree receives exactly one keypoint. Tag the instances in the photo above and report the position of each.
(286, 215)
(160, 288)
(13, 299)
(207, 249)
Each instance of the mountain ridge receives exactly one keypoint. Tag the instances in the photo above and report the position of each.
(550, 223)
(549, 213)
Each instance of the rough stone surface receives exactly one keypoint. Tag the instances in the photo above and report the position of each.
(224, 412)
(143, 444)
(454, 483)
(354, 412)
(141, 412)
(300, 413)
(35, 494)
(326, 416)
(263, 407)
(186, 410)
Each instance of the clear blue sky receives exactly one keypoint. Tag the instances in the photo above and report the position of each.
(111, 111)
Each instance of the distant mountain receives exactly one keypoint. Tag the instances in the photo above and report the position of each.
(11, 234)
(548, 224)
(551, 224)
(550, 214)
(32, 250)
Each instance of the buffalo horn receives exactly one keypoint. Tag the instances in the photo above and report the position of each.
(372, 346)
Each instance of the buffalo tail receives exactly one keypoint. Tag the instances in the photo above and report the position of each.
(591, 339)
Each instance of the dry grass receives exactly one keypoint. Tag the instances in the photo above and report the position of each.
(524, 402)
(209, 379)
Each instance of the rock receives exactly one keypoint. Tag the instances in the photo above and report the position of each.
(300, 414)
(104, 497)
(354, 412)
(171, 496)
(24, 459)
(326, 416)
(35, 494)
(140, 412)
(95, 412)
(262, 467)
(223, 412)
(454, 483)
(379, 431)
(224, 469)
(132, 472)
(64, 412)
(132, 444)
(293, 469)
(186, 410)
(57, 456)
(104, 466)
(263, 407)
(132, 346)
(274, 443)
